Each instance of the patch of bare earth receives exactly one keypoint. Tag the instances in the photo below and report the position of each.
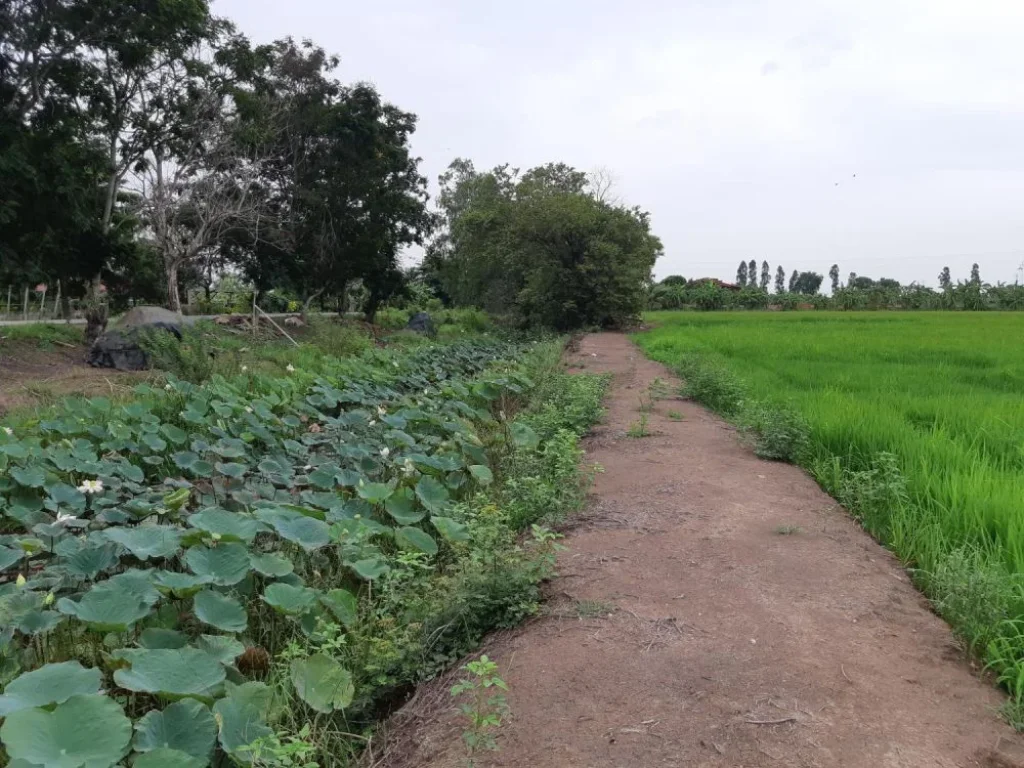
(33, 376)
(727, 642)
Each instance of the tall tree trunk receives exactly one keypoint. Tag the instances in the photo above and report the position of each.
(309, 300)
(173, 295)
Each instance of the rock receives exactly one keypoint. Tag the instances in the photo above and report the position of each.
(421, 323)
(294, 321)
(146, 315)
(119, 348)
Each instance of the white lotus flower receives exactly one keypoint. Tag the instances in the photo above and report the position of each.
(307, 468)
(385, 452)
(20, 581)
(409, 467)
(91, 486)
(372, 422)
(290, 368)
(381, 411)
(8, 431)
(395, 364)
(248, 409)
(168, 387)
(63, 518)
(245, 368)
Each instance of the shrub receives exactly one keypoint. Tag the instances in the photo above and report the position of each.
(190, 359)
(780, 433)
(713, 385)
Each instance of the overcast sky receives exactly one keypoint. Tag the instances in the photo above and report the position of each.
(731, 121)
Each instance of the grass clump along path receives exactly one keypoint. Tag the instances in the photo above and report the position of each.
(254, 569)
(914, 421)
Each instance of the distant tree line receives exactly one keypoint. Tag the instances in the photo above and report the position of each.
(858, 292)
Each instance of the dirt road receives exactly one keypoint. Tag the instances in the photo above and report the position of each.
(714, 609)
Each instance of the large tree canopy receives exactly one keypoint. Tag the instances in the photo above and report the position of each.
(540, 247)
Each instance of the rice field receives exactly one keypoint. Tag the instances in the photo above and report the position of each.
(916, 422)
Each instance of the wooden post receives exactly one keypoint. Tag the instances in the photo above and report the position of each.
(42, 303)
(282, 330)
(56, 303)
(24, 305)
(254, 318)
(8, 302)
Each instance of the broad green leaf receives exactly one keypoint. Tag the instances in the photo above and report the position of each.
(187, 725)
(175, 434)
(343, 604)
(524, 437)
(51, 684)
(402, 507)
(30, 477)
(185, 459)
(231, 469)
(289, 599)
(227, 524)
(482, 474)
(223, 648)
(146, 541)
(370, 568)
(416, 538)
(89, 562)
(432, 493)
(38, 622)
(324, 477)
(201, 468)
(225, 564)
(83, 732)
(9, 557)
(179, 584)
(155, 443)
(273, 566)
(168, 758)
(322, 683)
(14, 450)
(137, 582)
(309, 533)
(375, 493)
(62, 493)
(106, 608)
(450, 529)
(220, 611)
(154, 638)
(179, 672)
(241, 715)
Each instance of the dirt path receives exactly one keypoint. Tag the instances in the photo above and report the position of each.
(717, 639)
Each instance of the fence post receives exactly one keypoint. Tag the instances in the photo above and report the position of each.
(42, 304)
(24, 305)
(8, 301)
(56, 303)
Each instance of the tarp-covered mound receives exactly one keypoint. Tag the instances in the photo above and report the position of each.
(421, 322)
(119, 347)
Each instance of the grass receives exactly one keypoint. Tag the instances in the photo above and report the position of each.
(593, 609)
(42, 335)
(915, 422)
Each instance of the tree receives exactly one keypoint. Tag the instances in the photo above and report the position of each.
(540, 247)
(945, 279)
(741, 275)
(752, 274)
(766, 276)
(674, 280)
(806, 283)
(833, 274)
(975, 275)
(780, 280)
(792, 281)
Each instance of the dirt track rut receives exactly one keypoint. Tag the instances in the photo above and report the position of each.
(718, 640)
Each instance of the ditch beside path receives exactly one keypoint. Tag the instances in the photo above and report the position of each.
(714, 609)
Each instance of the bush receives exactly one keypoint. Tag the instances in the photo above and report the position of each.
(190, 359)
(712, 385)
(780, 433)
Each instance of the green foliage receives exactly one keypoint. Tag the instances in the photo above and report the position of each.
(190, 358)
(335, 532)
(483, 705)
(578, 261)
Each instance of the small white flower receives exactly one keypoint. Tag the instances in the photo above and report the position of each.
(168, 387)
(91, 486)
(395, 364)
(409, 467)
(307, 468)
(245, 368)
(372, 422)
(248, 409)
(290, 368)
(385, 452)
(381, 411)
(20, 581)
(8, 431)
(63, 518)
